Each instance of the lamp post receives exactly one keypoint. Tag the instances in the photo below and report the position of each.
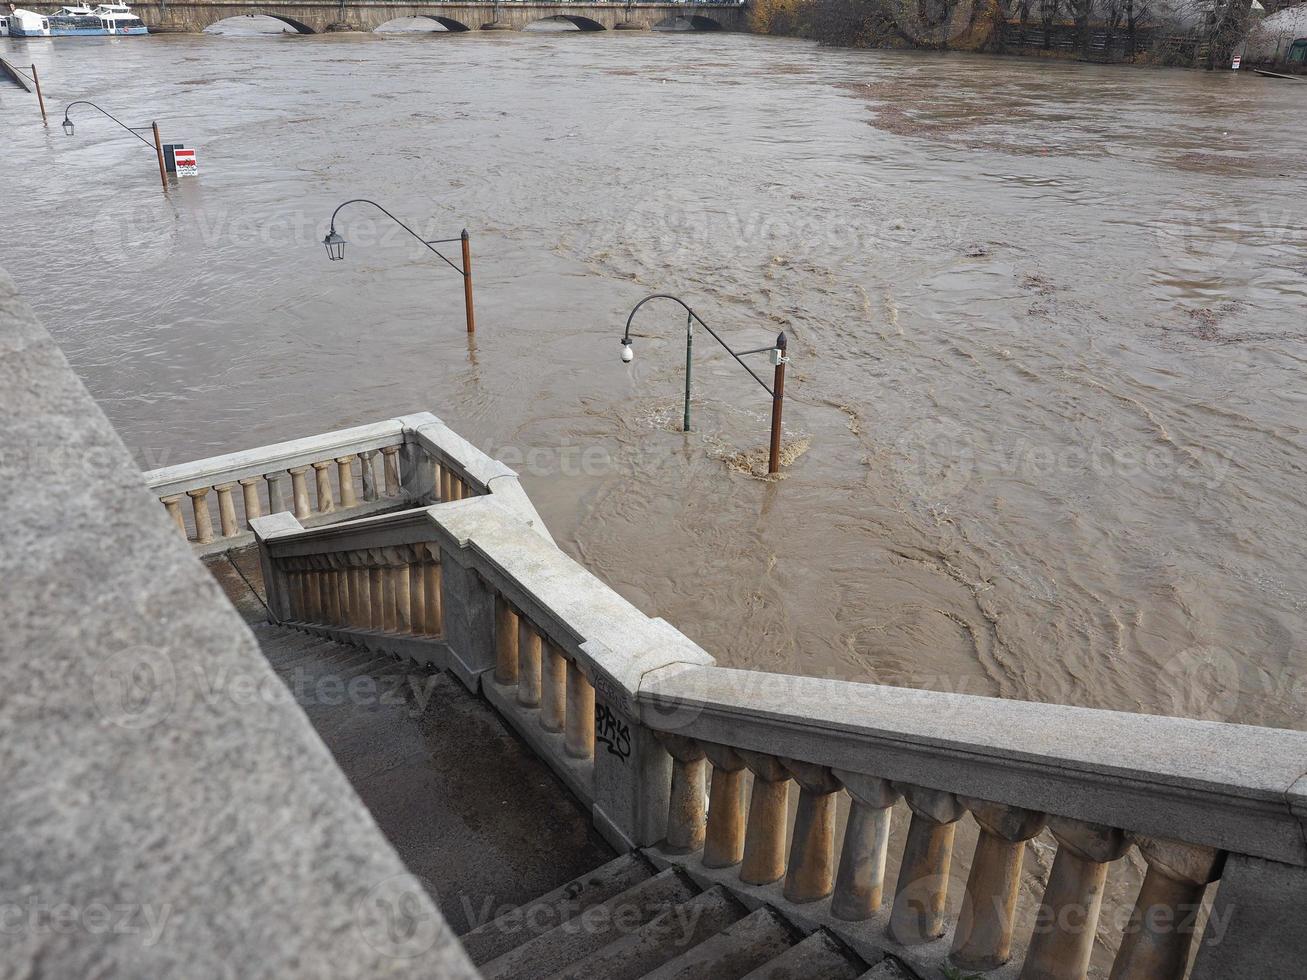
(335, 245)
(36, 80)
(777, 354)
(154, 127)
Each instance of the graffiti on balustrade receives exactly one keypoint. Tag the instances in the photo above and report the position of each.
(612, 732)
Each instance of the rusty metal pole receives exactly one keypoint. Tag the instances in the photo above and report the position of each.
(467, 282)
(158, 149)
(777, 403)
(36, 79)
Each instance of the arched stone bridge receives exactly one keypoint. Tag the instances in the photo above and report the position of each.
(315, 17)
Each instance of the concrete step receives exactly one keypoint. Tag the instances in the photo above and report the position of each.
(596, 928)
(755, 940)
(518, 925)
(819, 957)
(891, 969)
(662, 938)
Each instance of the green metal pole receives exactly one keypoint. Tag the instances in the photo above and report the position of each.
(689, 350)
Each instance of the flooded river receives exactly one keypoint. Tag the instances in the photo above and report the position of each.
(1046, 323)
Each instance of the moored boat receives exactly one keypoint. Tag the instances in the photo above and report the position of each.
(108, 19)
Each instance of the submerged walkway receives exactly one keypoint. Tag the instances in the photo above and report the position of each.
(468, 806)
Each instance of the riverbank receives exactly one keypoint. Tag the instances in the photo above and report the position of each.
(1103, 31)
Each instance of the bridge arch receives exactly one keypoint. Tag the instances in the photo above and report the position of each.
(298, 26)
(448, 23)
(697, 22)
(582, 23)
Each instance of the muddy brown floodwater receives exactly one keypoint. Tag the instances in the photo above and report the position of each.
(1046, 321)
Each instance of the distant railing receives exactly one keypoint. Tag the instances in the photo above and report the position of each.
(354, 472)
(664, 747)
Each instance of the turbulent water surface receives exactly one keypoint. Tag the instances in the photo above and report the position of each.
(1046, 321)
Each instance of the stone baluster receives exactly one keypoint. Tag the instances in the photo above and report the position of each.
(811, 872)
(686, 808)
(1162, 924)
(417, 597)
(322, 483)
(446, 483)
(173, 505)
(339, 595)
(364, 591)
(921, 893)
(250, 498)
(226, 509)
(369, 474)
(345, 477)
(1067, 922)
(505, 642)
(764, 838)
(403, 612)
(579, 731)
(301, 594)
(347, 595)
(435, 621)
(723, 845)
(299, 488)
(203, 522)
(309, 576)
(387, 597)
(983, 938)
(553, 688)
(390, 466)
(276, 499)
(528, 663)
(377, 591)
(860, 880)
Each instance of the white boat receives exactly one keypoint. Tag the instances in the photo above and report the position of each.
(4, 25)
(108, 19)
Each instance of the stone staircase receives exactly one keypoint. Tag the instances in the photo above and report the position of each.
(628, 920)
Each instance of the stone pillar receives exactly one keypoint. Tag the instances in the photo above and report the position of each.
(390, 465)
(724, 839)
(282, 581)
(417, 598)
(276, 499)
(506, 634)
(226, 509)
(467, 607)
(369, 474)
(345, 477)
(810, 875)
(632, 771)
(173, 505)
(1067, 921)
(922, 889)
(434, 625)
(1162, 924)
(553, 688)
(376, 593)
(528, 663)
(686, 810)
(250, 498)
(203, 522)
(860, 880)
(403, 613)
(983, 938)
(764, 840)
(579, 734)
(299, 488)
(322, 480)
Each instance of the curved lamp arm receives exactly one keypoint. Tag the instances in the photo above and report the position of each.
(626, 337)
(129, 129)
(429, 245)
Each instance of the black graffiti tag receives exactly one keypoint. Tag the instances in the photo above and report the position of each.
(612, 732)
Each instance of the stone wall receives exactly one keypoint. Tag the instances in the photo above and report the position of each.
(167, 809)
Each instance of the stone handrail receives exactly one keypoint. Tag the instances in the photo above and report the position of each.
(357, 471)
(639, 721)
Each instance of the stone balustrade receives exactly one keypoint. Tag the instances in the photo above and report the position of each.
(322, 479)
(784, 789)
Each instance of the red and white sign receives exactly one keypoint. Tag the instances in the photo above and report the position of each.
(186, 166)
(1238, 60)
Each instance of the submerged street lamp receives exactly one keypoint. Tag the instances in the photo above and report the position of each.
(154, 128)
(776, 354)
(335, 245)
